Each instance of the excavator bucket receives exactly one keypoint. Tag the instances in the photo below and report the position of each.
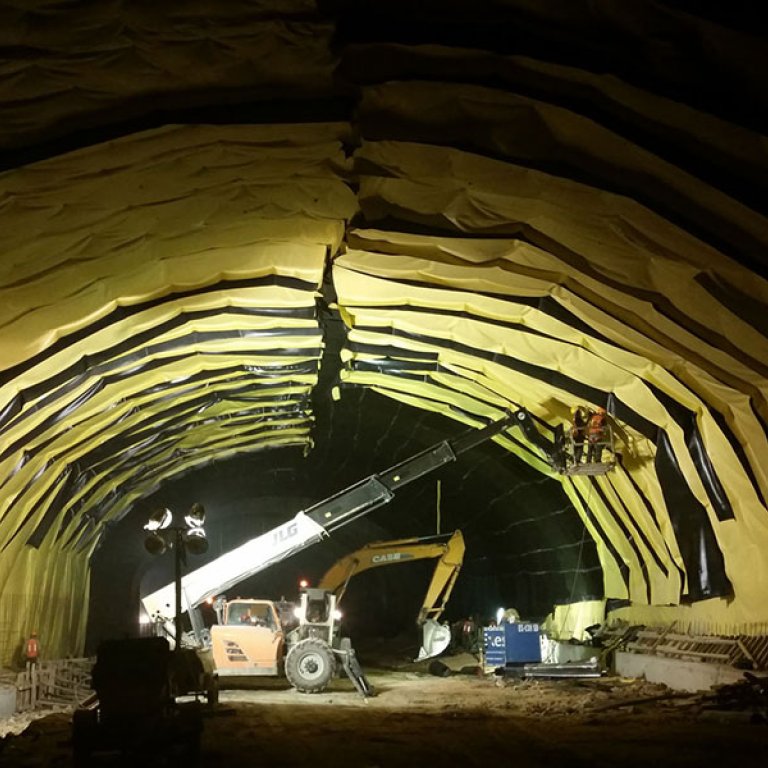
(435, 639)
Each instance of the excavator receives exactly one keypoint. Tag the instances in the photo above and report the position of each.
(308, 654)
(449, 548)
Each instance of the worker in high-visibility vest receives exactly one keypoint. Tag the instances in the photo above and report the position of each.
(596, 435)
(32, 650)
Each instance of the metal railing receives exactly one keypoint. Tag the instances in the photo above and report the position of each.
(605, 453)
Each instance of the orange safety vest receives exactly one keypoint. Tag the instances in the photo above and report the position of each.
(596, 426)
(33, 649)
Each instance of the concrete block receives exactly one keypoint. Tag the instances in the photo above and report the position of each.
(676, 674)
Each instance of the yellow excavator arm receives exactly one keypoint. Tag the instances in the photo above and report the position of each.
(448, 548)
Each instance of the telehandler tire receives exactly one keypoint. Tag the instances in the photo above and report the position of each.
(310, 665)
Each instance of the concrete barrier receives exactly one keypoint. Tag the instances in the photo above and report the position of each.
(7, 700)
(677, 674)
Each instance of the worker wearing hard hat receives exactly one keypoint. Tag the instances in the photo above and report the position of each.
(580, 417)
(32, 650)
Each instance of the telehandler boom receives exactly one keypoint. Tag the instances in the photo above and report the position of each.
(313, 524)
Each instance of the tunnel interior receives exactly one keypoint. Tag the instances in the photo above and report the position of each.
(254, 253)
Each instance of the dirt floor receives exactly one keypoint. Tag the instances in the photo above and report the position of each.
(463, 719)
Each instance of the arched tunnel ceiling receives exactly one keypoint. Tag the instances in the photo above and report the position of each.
(289, 235)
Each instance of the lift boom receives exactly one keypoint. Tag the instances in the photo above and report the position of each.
(318, 521)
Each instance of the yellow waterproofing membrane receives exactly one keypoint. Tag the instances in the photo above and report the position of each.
(463, 300)
(511, 125)
(159, 312)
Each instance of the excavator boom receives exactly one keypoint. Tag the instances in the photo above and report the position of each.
(449, 548)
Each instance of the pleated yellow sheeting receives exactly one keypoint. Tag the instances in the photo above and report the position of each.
(102, 416)
(588, 360)
(114, 61)
(623, 242)
(142, 221)
(571, 620)
(101, 340)
(379, 293)
(216, 219)
(631, 324)
(510, 125)
(45, 591)
(166, 280)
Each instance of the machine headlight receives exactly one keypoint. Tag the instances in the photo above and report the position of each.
(154, 544)
(159, 520)
(197, 543)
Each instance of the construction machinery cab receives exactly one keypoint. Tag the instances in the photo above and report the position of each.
(317, 615)
(257, 613)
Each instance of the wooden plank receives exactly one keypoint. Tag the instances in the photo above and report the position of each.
(745, 651)
(671, 651)
(701, 639)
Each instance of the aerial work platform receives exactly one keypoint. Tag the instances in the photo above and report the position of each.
(594, 468)
(603, 448)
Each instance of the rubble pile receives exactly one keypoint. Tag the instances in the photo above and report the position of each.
(748, 697)
(16, 724)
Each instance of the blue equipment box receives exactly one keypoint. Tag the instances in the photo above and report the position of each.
(522, 640)
(511, 643)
